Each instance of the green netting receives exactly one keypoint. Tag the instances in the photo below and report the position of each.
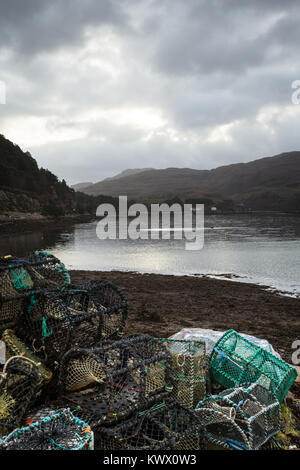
(50, 267)
(56, 320)
(23, 278)
(236, 360)
(188, 371)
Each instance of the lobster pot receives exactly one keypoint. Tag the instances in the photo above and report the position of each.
(20, 385)
(15, 281)
(58, 431)
(50, 268)
(60, 319)
(242, 418)
(15, 347)
(236, 360)
(188, 371)
(166, 426)
(114, 301)
(38, 413)
(20, 278)
(112, 381)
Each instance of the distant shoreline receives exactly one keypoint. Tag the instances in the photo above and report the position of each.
(31, 223)
(27, 223)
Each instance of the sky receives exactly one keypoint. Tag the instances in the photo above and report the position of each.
(93, 88)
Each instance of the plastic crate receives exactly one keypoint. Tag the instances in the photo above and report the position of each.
(235, 361)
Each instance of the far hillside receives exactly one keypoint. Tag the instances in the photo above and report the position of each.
(271, 183)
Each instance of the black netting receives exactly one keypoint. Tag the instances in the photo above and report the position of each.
(57, 431)
(20, 383)
(167, 425)
(40, 412)
(19, 278)
(111, 381)
(56, 320)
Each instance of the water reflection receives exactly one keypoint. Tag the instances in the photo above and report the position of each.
(23, 244)
(263, 249)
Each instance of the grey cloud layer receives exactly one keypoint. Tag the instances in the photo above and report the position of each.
(217, 73)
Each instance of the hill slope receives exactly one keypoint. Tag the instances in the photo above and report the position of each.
(81, 186)
(271, 183)
(26, 187)
(129, 172)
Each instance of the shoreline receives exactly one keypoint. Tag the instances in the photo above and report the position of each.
(162, 304)
(30, 222)
(232, 277)
(33, 223)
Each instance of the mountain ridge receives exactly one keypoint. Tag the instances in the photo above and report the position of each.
(128, 172)
(268, 183)
(248, 183)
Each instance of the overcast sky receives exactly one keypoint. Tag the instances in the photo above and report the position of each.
(95, 87)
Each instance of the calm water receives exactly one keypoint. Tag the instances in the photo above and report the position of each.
(260, 249)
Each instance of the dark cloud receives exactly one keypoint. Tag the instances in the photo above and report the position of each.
(33, 26)
(96, 87)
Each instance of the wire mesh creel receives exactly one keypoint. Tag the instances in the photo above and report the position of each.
(20, 385)
(20, 278)
(58, 431)
(59, 319)
(15, 347)
(236, 360)
(242, 418)
(50, 268)
(188, 370)
(112, 381)
(167, 425)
